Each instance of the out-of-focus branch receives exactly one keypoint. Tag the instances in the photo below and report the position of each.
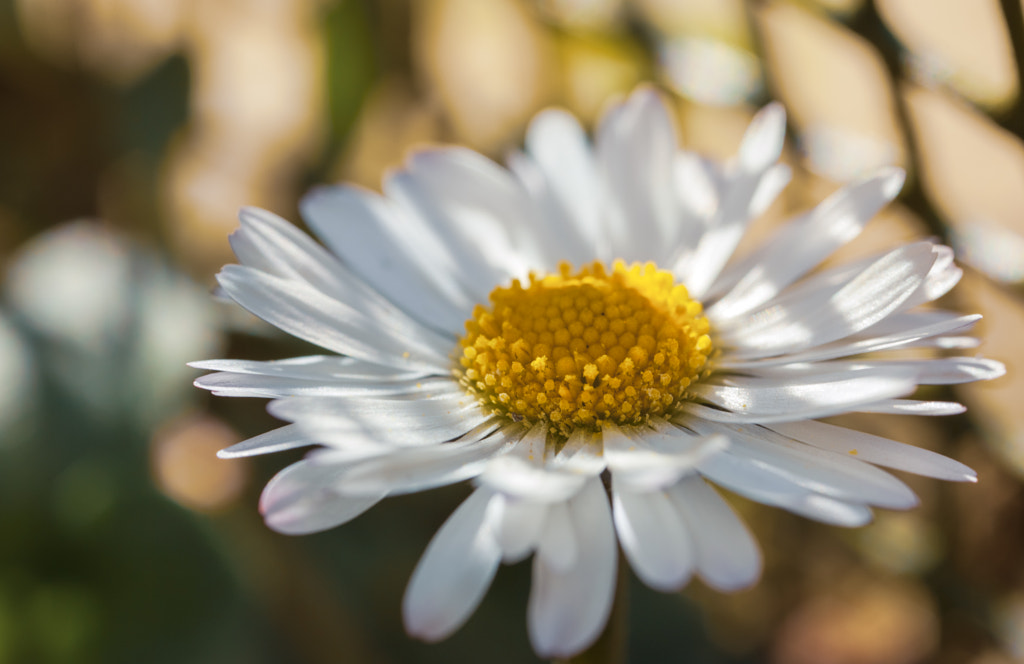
(869, 25)
(1013, 13)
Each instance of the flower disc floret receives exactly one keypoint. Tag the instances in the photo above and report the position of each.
(578, 350)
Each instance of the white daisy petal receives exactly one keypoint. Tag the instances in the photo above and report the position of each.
(403, 433)
(288, 437)
(945, 343)
(941, 279)
(308, 314)
(635, 154)
(401, 421)
(727, 555)
(749, 189)
(252, 253)
(626, 453)
(434, 405)
(555, 230)
(697, 195)
(391, 251)
(559, 147)
(840, 476)
(935, 371)
(532, 447)
(456, 569)
(412, 470)
(648, 461)
(831, 511)
(268, 243)
(303, 499)
(763, 140)
(701, 412)
(754, 398)
(914, 407)
(868, 344)
(834, 276)
(225, 384)
(558, 545)
(581, 454)
(752, 479)
(343, 457)
(316, 513)
(789, 325)
(767, 189)
(917, 323)
(817, 289)
(523, 474)
(478, 271)
(768, 485)
(747, 196)
(611, 145)
(830, 280)
(654, 538)
(567, 611)
(310, 367)
(805, 242)
(294, 256)
(515, 477)
(522, 523)
(878, 450)
(483, 203)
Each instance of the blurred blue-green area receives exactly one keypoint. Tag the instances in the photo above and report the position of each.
(131, 131)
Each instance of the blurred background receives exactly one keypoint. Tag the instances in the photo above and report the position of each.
(131, 131)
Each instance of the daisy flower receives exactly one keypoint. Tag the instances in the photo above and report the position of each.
(575, 335)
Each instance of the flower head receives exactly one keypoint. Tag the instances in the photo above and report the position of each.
(582, 317)
(585, 350)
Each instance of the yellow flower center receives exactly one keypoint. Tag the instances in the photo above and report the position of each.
(582, 349)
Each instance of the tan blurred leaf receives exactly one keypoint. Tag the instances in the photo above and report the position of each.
(599, 68)
(724, 20)
(584, 15)
(995, 251)
(971, 169)
(391, 121)
(962, 43)
(831, 80)
(711, 131)
(258, 112)
(489, 63)
(120, 40)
